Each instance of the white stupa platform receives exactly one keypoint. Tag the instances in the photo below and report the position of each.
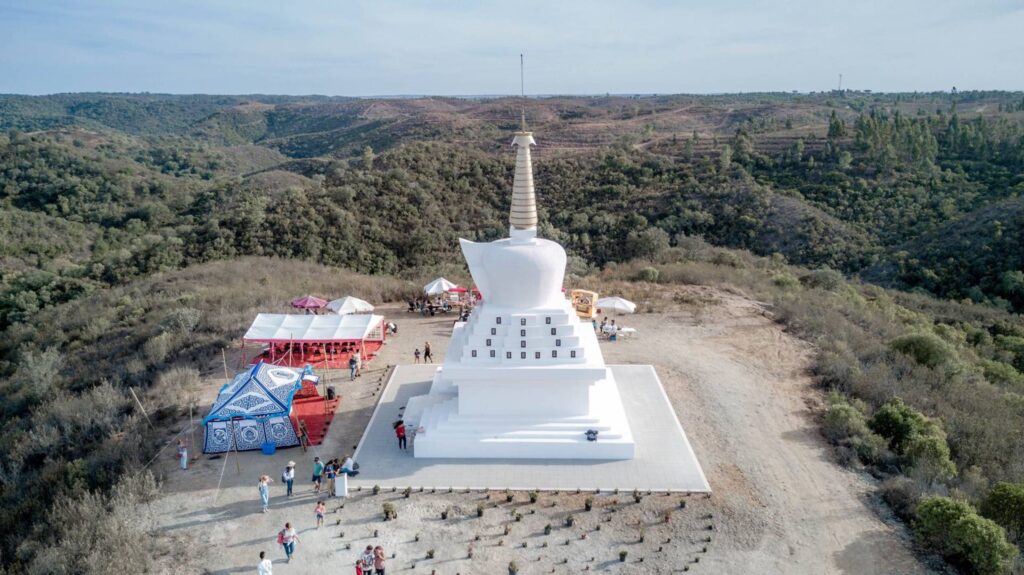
(663, 459)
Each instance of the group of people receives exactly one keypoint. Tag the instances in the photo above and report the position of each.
(355, 365)
(330, 470)
(609, 329)
(426, 306)
(371, 562)
(428, 355)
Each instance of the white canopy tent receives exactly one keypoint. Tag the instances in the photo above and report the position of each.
(616, 304)
(349, 304)
(279, 327)
(438, 286)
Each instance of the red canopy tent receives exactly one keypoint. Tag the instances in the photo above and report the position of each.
(318, 340)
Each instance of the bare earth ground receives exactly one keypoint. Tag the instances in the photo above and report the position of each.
(740, 387)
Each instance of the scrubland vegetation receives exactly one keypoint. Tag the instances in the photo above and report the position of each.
(138, 236)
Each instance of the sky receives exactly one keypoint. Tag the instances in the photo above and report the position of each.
(417, 47)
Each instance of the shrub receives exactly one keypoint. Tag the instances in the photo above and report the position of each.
(622, 555)
(785, 280)
(390, 512)
(1002, 374)
(953, 528)
(158, 348)
(588, 503)
(982, 544)
(1004, 504)
(927, 454)
(647, 274)
(902, 494)
(925, 348)
(534, 496)
(479, 509)
(842, 421)
(935, 519)
(824, 278)
(182, 320)
(897, 422)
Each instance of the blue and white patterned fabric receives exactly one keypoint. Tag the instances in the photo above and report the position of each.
(252, 409)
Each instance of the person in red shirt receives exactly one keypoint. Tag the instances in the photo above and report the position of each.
(400, 433)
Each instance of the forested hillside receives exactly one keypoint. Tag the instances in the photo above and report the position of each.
(106, 200)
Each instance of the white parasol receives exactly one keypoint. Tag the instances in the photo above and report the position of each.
(616, 304)
(349, 304)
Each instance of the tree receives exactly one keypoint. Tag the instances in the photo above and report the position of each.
(797, 151)
(725, 158)
(1004, 504)
(368, 157)
(836, 127)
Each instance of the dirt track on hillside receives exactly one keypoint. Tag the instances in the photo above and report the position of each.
(740, 387)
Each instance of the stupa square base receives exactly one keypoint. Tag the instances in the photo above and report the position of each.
(663, 461)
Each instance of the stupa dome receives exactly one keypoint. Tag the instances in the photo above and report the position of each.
(520, 274)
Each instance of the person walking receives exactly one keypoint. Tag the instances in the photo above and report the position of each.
(427, 357)
(318, 473)
(359, 363)
(265, 566)
(378, 560)
(367, 559)
(352, 364)
(400, 433)
(182, 454)
(320, 511)
(287, 538)
(264, 488)
(416, 356)
(289, 476)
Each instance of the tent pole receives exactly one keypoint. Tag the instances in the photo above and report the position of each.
(224, 361)
(131, 389)
(192, 432)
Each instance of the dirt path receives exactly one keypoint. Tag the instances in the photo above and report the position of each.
(740, 387)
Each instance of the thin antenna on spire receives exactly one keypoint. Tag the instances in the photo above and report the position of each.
(522, 94)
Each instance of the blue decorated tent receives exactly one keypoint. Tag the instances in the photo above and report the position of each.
(253, 409)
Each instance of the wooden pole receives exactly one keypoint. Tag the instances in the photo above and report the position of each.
(150, 422)
(224, 361)
(192, 433)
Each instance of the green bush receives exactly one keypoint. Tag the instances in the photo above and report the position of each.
(897, 422)
(647, 274)
(824, 278)
(843, 421)
(953, 529)
(925, 348)
(1002, 374)
(982, 544)
(785, 280)
(1004, 504)
(927, 454)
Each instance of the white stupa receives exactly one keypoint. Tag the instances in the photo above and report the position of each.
(523, 377)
